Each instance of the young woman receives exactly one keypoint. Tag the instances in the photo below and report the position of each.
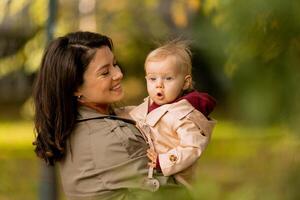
(100, 155)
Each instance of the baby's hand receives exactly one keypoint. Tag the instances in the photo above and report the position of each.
(152, 155)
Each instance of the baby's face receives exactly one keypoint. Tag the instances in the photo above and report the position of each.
(165, 80)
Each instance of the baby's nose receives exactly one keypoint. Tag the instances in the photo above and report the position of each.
(159, 83)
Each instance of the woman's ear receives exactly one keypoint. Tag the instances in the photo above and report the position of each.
(78, 93)
(187, 82)
(79, 96)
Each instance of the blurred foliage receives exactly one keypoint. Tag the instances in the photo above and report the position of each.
(262, 164)
(246, 54)
(22, 25)
(260, 46)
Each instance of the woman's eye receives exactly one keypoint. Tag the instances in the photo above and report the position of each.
(105, 73)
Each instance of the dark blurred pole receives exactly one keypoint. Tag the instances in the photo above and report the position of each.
(52, 8)
(48, 183)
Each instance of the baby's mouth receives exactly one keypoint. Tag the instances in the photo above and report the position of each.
(159, 95)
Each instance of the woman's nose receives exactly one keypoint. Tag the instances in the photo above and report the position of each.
(117, 74)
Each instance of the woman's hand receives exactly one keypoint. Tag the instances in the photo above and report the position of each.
(152, 155)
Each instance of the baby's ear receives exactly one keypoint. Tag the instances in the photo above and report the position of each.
(187, 82)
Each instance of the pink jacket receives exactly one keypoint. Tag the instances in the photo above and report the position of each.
(180, 134)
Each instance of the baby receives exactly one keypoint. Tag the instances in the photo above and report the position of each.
(174, 116)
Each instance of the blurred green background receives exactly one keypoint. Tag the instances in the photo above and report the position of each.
(245, 53)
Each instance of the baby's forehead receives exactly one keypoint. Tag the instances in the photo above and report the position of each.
(156, 69)
(161, 58)
(166, 62)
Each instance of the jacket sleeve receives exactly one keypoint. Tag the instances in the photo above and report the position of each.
(194, 135)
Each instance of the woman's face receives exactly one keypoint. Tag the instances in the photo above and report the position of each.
(102, 80)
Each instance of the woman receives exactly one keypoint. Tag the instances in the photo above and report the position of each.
(100, 155)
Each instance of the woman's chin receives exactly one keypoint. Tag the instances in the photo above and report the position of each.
(119, 96)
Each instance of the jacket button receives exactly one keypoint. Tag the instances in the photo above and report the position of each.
(172, 158)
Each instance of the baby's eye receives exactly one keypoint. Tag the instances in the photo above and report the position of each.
(169, 78)
(152, 78)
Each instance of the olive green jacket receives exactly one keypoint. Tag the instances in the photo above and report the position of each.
(105, 159)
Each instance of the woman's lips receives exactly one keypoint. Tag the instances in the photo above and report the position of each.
(116, 87)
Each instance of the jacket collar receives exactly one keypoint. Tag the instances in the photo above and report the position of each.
(85, 112)
(140, 113)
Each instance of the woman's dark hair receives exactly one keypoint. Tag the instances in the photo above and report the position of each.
(63, 65)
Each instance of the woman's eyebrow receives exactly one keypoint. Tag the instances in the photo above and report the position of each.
(102, 67)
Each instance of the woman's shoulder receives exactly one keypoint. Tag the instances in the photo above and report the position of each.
(124, 111)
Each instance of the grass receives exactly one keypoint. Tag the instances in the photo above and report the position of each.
(240, 163)
(18, 165)
(16, 139)
(20, 170)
